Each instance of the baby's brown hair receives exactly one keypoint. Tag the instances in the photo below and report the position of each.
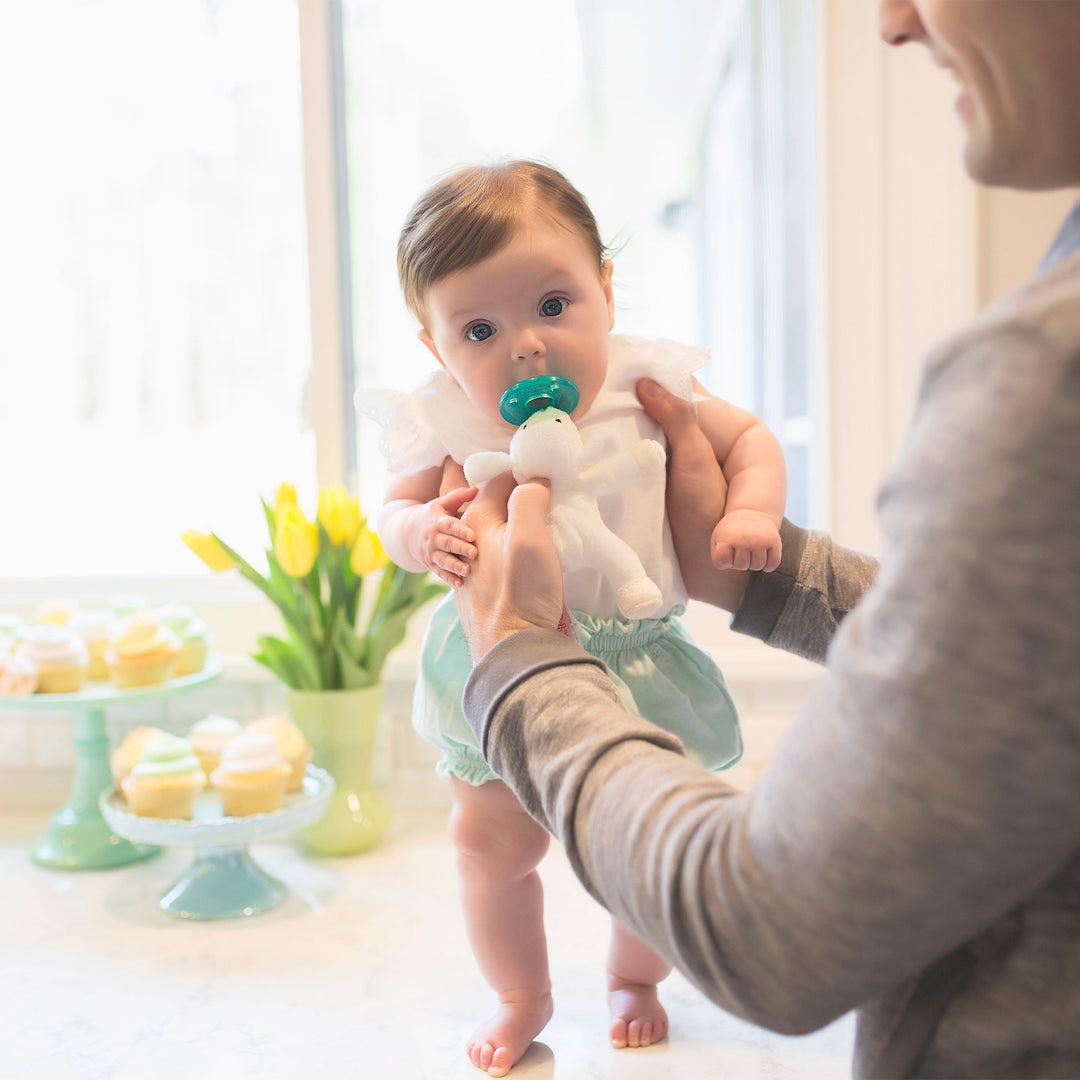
(473, 212)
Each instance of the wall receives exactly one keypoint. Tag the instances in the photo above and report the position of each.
(913, 248)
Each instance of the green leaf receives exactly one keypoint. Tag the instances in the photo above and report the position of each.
(353, 673)
(282, 660)
(271, 520)
(401, 594)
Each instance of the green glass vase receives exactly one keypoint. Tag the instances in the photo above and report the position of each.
(341, 726)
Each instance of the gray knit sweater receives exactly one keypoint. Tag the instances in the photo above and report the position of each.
(913, 850)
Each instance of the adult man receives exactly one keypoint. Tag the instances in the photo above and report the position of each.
(913, 850)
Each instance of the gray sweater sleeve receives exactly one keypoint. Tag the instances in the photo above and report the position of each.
(928, 787)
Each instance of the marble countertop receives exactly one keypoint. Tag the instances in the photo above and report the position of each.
(363, 971)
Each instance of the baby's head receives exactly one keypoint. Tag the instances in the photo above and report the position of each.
(504, 267)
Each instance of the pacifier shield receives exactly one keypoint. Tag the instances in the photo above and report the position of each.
(531, 395)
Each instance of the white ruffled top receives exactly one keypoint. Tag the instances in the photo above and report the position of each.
(435, 421)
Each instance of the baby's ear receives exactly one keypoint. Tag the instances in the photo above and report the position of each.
(427, 339)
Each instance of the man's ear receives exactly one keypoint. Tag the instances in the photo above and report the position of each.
(426, 338)
(606, 270)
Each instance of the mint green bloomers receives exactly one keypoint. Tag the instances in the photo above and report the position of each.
(660, 672)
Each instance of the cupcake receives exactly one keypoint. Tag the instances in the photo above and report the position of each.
(209, 736)
(123, 605)
(18, 674)
(57, 610)
(165, 779)
(60, 656)
(252, 776)
(94, 628)
(143, 652)
(11, 626)
(291, 742)
(191, 630)
(126, 756)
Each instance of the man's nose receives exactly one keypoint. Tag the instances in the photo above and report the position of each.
(899, 22)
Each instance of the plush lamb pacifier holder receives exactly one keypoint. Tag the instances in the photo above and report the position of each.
(548, 446)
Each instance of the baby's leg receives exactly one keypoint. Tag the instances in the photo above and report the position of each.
(499, 847)
(634, 969)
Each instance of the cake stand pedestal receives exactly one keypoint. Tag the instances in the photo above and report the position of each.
(223, 881)
(78, 837)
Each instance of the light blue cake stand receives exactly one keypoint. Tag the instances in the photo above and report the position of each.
(78, 837)
(224, 881)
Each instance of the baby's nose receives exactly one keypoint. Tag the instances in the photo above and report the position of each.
(528, 345)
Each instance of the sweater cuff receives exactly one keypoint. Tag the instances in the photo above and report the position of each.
(767, 594)
(507, 665)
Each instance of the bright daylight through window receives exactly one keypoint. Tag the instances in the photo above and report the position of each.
(155, 342)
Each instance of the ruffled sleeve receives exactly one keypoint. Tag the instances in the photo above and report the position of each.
(435, 421)
(670, 363)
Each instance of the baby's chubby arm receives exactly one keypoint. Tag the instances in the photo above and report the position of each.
(748, 535)
(419, 526)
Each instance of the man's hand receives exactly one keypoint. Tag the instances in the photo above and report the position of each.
(516, 580)
(696, 493)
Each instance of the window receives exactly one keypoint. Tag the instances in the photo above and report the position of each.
(704, 186)
(757, 252)
(156, 340)
(156, 346)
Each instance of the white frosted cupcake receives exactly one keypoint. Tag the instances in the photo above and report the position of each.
(18, 675)
(59, 655)
(142, 653)
(291, 742)
(252, 776)
(209, 736)
(95, 628)
(11, 627)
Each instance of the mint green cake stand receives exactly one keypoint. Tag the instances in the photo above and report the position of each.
(78, 837)
(224, 881)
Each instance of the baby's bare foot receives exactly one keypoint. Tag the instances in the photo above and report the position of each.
(637, 1017)
(497, 1045)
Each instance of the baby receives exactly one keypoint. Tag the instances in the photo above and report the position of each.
(505, 270)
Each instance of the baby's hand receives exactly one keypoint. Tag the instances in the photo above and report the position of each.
(746, 540)
(443, 543)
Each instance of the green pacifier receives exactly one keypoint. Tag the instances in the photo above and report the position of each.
(531, 395)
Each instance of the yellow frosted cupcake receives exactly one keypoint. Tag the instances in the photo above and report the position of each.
(142, 653)
(165, 780)
(60, 656)
(95, 628)
(209, 736)
(126, 756)
(252, 776)
(56, 610)
(191, 630)
(291, 742)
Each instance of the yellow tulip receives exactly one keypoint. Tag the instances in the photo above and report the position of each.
(209, 550)
(286, 496)
(339, 513)
(367, 553)
(296, 542)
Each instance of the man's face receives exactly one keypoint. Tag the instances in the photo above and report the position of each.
(1017, 63)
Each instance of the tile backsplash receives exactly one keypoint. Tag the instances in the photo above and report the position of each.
(37, 753)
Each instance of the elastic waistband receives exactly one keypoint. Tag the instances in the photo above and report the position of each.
(610, 636)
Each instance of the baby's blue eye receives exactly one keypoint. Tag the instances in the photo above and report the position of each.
(555, 306)
(480, 331)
